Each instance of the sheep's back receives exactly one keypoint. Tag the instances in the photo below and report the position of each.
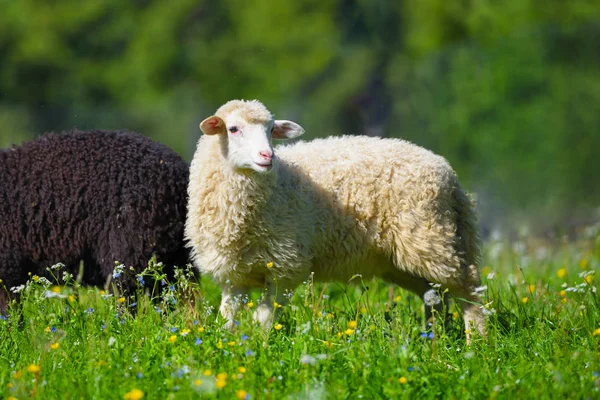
(382, 194)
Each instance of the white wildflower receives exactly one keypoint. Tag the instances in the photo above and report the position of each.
(57, 266)
(49, 294)
(17, 289)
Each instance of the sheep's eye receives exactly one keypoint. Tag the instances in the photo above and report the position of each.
(233, 129)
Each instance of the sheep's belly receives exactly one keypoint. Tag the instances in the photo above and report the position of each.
(365, 266)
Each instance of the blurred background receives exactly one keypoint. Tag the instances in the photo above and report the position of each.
(507, 91)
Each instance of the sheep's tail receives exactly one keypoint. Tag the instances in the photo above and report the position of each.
(469, 241)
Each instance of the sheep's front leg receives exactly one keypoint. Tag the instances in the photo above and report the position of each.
(272, 300)
(230, 303)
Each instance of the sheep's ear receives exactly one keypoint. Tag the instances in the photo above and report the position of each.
(212, 125)
(286, 129)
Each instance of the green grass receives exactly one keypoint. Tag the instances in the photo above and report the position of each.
(87, 345)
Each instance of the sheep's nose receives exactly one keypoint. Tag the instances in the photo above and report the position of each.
(267, 155)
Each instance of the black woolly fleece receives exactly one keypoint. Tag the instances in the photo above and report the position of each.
(96, 196)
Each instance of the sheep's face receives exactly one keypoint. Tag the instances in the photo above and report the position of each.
(248, 130)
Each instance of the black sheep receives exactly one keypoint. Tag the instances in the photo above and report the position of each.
(96, 197)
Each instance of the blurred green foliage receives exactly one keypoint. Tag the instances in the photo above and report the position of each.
(509, 92)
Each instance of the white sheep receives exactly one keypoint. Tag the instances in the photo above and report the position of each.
(332, 207)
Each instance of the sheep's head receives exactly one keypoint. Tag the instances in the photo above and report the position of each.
(247, 128)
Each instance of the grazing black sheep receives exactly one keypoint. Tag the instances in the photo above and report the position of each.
(96, 197)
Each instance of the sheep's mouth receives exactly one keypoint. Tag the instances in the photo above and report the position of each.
(264, 165)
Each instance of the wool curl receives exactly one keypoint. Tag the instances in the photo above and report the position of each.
(96, 197)
(333, 208)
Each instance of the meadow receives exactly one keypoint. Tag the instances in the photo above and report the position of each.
(364, 340)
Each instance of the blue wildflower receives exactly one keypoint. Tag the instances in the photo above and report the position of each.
(141, 280)
(173, 329)
(53, 329)
(171, 288)
(139, 375)
(195, 322)
(3, 317)
(116, 274)
(162, 282)
(103, 326)
(250, 353)
(411, 369)
(244, 337)
(198, 342)
(89, 310)
(426, 335)
(133, 305)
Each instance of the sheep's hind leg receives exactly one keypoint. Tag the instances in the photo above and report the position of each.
(470, 303)
(230, 304)
(435, 305)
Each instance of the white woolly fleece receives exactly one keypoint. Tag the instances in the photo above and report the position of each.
(334, 207)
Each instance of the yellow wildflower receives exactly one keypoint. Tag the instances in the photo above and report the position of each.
(563, 293)
(525, 300)
(455, 315)
(207, 372)
(102, 292)
(172, 338)
(276, 304)
(352, 324)
(35, 278)
(561, 273)
(349, 331)
(11, 397)
(198, 382)
(34, 369)
(363, 310)
(18, 374)
(589, 279)
(564, 300)
(71, 298)
(250, 304)
(9, 385)
(47, 330)
(270, 264)
(339, 334)
(403, 380)
(278, 327)
(531, 289)
(201, 329)
(185, 332)
(328, 344)
(397, 299)
(241, 394)
(596, 332)
(121, 300)
(220, 384)
(231, 344)
(54, 346)
(222, 376)
(242, 370)
(55, 289)
(219, 345)
(135, 394)
(583, 263)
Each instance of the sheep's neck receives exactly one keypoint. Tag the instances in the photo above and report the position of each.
(237, 200)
